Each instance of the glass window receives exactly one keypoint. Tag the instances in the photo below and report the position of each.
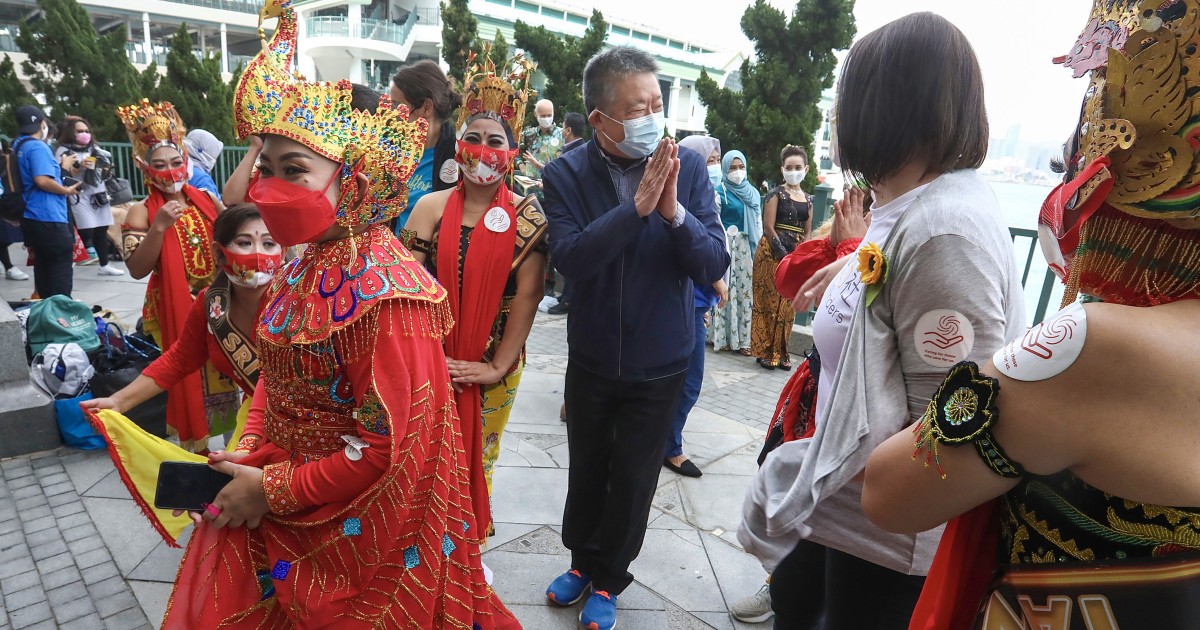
(576, 19)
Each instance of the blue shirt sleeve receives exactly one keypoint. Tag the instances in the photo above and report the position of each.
(41, 160)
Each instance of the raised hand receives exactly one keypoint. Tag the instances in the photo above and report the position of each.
(650, 191)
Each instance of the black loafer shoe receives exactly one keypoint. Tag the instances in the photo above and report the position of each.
(687, 468)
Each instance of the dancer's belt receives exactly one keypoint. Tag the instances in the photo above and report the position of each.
(1162, 593)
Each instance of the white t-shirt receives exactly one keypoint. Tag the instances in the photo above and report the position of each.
(832, 321)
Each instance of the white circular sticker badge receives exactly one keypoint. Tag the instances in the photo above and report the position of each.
(944, 337)
(1046, 350)
(449, 171)
(497, 220)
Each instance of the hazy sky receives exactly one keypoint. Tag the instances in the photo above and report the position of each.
(1014, 40)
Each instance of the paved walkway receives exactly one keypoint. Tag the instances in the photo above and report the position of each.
(75, 552)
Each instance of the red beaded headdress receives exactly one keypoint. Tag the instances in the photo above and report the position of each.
(502, 95)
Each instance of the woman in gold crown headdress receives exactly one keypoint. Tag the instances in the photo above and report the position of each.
(487, 247)
(1064, 460)
(350, 504)
(167, 237)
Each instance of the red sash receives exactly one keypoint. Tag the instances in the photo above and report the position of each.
(185, 401)
(963, 567)
(488, 263)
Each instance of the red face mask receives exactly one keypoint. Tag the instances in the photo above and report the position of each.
(293, 214)
(483, 165)
(250, 270)
(169, 180)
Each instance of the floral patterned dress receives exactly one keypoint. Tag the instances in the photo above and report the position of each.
(730, 329)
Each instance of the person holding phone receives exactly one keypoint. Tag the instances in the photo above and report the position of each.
(84, 162)
(46, 224)
(168, 237)
(349, 503)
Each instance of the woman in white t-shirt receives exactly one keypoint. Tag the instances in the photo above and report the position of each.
(933, 282)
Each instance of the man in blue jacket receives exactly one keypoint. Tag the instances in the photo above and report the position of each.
(633, 225)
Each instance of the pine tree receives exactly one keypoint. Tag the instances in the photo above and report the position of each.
(12, 93)
(196, 89)
(78, 71)
(794, 63)
(499, 50)
(459, 32)
(561, 58)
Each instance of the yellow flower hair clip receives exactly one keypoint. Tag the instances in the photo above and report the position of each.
(872, 269)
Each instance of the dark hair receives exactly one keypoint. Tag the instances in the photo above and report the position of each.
(229, 222)
(609, 67)
(792, 150)
(911, 90)
(425, 80)
(576, 123)
(363, 98)
(66, 131)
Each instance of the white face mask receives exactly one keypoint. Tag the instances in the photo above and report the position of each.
(793, 178)
(736, 177)
(257, 280)
(546, 122)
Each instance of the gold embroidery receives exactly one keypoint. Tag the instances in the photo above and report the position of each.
(130, 240)
(1054, 536)
(1183, 535)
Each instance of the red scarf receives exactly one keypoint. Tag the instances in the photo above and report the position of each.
(185, 401)
(963, 567)
(488, 263)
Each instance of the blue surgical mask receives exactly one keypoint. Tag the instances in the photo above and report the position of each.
(714, 173)
(641, 134)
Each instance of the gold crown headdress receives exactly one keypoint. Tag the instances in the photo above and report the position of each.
(503, 97)
(385, 146)
(151, 126)
(1141, 115)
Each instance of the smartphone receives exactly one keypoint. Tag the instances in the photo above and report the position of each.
(69, 181)
(187, 486)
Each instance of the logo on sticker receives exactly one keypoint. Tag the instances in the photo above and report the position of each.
(1046, 349)
(943, 337)
(449, 171)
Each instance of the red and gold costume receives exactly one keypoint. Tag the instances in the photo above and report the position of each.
(185, 266)
(371, 524)
(1055, 552)
(478, 265)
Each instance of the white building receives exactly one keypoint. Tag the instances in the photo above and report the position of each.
(366, 40)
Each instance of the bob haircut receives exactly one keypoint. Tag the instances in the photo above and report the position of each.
(911, 90)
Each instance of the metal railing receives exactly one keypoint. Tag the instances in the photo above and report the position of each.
(375, 30)
(240, 6)
(429, 16)
(124, 166)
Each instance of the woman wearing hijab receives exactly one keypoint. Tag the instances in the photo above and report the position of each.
(741, 214)
(706, 297)
(203, 149)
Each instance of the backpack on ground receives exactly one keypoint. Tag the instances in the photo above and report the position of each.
(59, 319)
(12, 200)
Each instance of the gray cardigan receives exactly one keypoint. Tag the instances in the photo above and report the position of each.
(949, 251)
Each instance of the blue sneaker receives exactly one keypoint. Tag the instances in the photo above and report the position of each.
(600, 612)
(568, 588)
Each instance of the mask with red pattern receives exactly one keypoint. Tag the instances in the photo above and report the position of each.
(169, 180)
(250, 270)
(483, 165)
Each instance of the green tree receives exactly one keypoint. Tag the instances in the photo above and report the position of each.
(499, 54)
(77, 70)
(12, 94)
(196, 89)
(794, 63)
(459, 32)
(561, 59)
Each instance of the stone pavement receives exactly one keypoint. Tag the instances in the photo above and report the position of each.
(75, 552)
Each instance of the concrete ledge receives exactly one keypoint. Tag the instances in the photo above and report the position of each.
(801, 340)
(27, 423)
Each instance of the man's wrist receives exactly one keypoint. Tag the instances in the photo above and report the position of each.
(677, 219)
